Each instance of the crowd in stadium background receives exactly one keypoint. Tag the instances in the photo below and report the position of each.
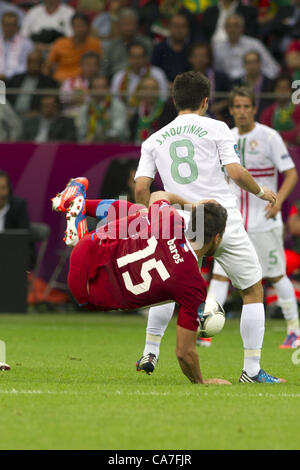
(111, 66)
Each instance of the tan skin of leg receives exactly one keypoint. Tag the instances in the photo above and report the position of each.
(253, 294)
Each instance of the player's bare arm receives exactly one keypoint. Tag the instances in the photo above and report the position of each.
(244, 180)
(142, 190)
(294, 225)
(188, 358)
(287, 186)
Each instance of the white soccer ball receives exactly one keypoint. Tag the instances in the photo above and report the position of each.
(212, 319)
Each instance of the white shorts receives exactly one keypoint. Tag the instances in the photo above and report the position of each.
(236, 256)
(270, 250)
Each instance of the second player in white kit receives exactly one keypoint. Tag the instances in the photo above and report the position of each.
(193, 154)
(265, 155)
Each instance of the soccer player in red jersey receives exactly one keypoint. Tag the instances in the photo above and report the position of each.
(145, 258)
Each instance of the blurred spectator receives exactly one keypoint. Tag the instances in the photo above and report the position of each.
(200, 60)
(154, 17)
(28, 102)
(65, 54)
(292, 59)
(255, 79)
(13, 212)
(49, 125)
(10, 124)
(47, 22)
(228, 55)
(293, 254)
(214, 18)
(116, 56)
(105, 24)
(103, 118)
(149, 108)
(127, 80)
(171, 54)
(119, 179)
(73, 91)
(6, 7)
(14, 48)
(286, 26)
(283, 115)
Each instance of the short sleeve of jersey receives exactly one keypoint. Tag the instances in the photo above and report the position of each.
(226, 144)
(279, 153)
(147, 166)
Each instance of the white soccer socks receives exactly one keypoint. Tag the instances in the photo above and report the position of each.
(252, 328)
(158, 320)
(288, 303)
(218, 290)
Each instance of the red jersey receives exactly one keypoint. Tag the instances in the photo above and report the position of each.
(138, 261)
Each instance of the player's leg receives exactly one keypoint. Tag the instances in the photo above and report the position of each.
(72, 200)
(288, 303)
(108, 210)
(270, 251)
(218, 286)
(158, 320)
(239, 260)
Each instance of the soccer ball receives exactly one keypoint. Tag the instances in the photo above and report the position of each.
(212, 319)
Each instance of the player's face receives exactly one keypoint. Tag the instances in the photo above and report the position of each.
(243, 112)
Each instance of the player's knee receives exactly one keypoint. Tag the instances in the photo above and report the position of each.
(253, 294)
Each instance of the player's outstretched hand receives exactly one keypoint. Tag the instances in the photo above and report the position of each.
(217, 382)
(269, 195)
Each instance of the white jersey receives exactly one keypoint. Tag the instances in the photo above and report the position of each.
(189, 154)
(264, 154)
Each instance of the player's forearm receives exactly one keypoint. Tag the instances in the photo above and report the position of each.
(187, 354)
(288, 185)
(142, 190)
(242, 178)
(189, 364)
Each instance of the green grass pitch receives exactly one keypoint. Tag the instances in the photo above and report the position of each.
(73, 385)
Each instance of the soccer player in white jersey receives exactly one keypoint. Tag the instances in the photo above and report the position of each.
(264, 154)
(192, 155)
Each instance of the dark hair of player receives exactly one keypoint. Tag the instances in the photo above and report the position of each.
(215, 217)
(241, 91)
(189, 90)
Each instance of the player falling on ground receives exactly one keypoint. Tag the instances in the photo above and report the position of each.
(141, 259)
(264, 154)
(191, 155)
